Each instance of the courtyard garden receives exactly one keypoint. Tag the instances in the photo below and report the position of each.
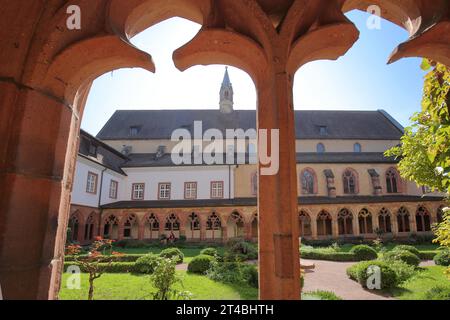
(230, 272)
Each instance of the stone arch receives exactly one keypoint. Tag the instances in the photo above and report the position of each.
(403, 220)
(193, 226)
(90, 227)
(345, 222)
(393, 181)
(235, 225)
(214, 227)
(172, 225)
(308, 181)
(151, 227)
(324, 224)
(365, 221)
(423, 219)
(385, 220)
(75, 225)
(110, 227)
(304, 220)
(130, 227)
(255, 225)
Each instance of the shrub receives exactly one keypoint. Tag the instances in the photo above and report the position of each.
(226, 272)
(243, 249)
(318, 254)
(364, 253)
(427, 254)
(200, 264)
(402, 255)
(250, 275)
(323, 295)
(170, 253)
(115, 267)
(442, 258)
(438, 293)
(209, 252)
(403, 270)
(146, 264)
(359, 272)
(411, 249)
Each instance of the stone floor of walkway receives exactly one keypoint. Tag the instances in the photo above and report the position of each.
(332, 276)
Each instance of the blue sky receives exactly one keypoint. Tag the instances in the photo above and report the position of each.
(361, 80)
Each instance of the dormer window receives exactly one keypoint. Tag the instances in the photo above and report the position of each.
(92, 149)
(320, 148)
(323, 130)
(357, 148)
(134, 131)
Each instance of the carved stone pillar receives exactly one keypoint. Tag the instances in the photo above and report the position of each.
(375, 177)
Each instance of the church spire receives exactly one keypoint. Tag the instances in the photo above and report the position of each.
(226, 94)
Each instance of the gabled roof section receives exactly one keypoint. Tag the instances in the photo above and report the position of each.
(160, 124)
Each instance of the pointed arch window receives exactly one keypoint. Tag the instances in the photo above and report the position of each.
(423, 220)
(403, 220)
(172, 223)
(345, 222)
(365, 222)
(392, 181)
(89, 228)
(305, 224)
(129, 226)
(350, 180)
(384, 221)
(74, 225)
(321, 148)
(324, 225)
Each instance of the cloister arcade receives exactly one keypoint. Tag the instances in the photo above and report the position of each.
(47, 69)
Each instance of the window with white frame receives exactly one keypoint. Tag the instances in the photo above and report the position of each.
(190, 190)
(164, 191)
(91, 185)
(138, 191)
(217, 189)
(113, 187)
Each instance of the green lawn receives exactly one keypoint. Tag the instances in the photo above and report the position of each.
(416, 287)
(138, 287)
(189, 253)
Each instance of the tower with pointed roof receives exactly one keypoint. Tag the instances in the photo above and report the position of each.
(226, 94)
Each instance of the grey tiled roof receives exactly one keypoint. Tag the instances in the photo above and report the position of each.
(150, 160)
(252, 202)
(159, 124)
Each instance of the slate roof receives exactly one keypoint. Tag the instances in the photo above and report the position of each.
(106, 156)
(159, 124)
(150, 159)
(253, 202)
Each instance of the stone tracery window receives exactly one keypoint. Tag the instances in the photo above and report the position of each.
(111, 224)
(74, 225)
(392, 181)
(129, 227)
(194, 225)
(236, 224)
(345, 222)
(324, 224)
(423, 220)
(89, 228)
(151, 227)
(350, 180)
(172, 223)
(214, 226)
(365, 222)
(403, 220)
(384, 221)
(305, 224)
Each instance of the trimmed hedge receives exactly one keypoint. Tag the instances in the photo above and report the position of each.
(121, 258)
(200, 264)
(442, 258)
(170, 253)
(364, 253)
(209, 252)
(358, 272)
(115, 267)
(402, 255)
(411, 249)
(147, 264)
(328, 256)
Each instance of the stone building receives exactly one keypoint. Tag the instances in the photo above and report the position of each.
(127, 185)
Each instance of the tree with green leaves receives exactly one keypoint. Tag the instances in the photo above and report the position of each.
(425, 149)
